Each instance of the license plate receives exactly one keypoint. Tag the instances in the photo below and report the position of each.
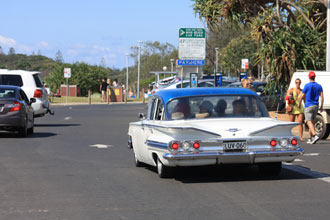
(234, 145)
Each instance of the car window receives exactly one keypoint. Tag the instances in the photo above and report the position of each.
(15, 80)
(7, 93)
(37, 80)
(23, 96)
(219, 106)
(151, 108)
(205, 84)
(159, 110)
(260, 88)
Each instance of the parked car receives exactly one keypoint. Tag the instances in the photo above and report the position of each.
(274, 100)
(186, 84)
(32, 85)
(16, 113)
(205, 126)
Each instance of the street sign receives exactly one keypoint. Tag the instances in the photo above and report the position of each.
(67, 72)
(192, 44)
(245, 63)
(191, 62)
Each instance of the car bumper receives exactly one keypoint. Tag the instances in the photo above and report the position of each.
(232, 158)
(13, 119)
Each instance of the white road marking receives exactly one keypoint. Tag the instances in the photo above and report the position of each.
(67, 118)
(298, 160)
(312, 154)
(307, 172)
(101, 146)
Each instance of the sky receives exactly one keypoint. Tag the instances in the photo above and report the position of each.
(89, 30)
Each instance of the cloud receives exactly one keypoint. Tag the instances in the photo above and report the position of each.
(7, 41)
(43, 44)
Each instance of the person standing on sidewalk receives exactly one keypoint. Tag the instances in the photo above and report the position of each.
(292, 97)
(312, 92)
(103, 89)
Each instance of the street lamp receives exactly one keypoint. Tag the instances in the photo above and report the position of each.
(216, 59)
(127, 75)
(138, 82)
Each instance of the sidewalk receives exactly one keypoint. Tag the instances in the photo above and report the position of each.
(285, 117)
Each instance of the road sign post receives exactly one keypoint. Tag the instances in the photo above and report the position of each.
(67, 75)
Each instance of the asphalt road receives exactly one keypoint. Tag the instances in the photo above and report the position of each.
(77, 166)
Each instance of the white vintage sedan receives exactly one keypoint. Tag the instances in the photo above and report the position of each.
(205, 126)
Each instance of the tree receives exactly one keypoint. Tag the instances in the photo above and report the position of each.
(103, 63)
(59, 57)
(288, 32)
(1, 51)
(39, 53)
(11, 51)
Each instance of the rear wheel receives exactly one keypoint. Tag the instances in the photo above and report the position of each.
(163, 171)
(137, 162)
(270, 169)
(23, 131)
(31, 129)
(321, 128)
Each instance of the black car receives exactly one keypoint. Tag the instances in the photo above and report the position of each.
(16, 113)
(274, 100)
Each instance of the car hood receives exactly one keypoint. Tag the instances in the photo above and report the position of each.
(232, 127)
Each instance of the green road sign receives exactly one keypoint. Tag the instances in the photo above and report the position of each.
(192, 33)
(192, 44)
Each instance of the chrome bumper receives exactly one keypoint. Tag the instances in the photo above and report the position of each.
(239, 157)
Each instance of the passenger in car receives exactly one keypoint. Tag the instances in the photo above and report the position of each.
(205, 110)
(220, 108)
(239, 108)
(181, 110)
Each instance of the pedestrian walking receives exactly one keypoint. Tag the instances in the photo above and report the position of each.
(311, 93)
(292, 99)
(103, 89)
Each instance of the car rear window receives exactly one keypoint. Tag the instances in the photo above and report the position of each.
(15, 80)
(7, 93)
(37, 80)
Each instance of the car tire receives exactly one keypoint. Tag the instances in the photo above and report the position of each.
(137, 162)
(322, 129)
(23, 132)
(31, 130)
(270, 169)
(162, 170)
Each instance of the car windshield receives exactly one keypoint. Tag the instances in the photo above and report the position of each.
(219, 106)
(7, 93)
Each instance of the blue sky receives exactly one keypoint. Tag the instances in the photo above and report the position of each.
(87, 30)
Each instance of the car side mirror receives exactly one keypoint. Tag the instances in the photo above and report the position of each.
(141, 116)
(32, 100)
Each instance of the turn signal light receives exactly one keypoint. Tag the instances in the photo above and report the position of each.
(273, 143)
(37, 93)
(294, 142)
(196, 145)
(175, 146)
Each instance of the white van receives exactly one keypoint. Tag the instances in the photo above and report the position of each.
(31, 84)
(322, 124)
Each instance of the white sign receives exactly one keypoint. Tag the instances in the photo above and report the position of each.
(67, 72)
(192, 44)
(245, 63)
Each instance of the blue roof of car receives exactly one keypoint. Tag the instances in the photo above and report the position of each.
(168, 94)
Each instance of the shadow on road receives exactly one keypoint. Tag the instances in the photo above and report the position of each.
(238, 173)
(55, 125)
(34, 135)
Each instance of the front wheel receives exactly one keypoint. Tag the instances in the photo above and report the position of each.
(163, 171)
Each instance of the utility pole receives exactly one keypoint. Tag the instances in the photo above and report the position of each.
(138, 82)
(328, 37)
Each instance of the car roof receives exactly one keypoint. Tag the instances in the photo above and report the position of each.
(9, 87)
(168, 94)
(5, 71)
